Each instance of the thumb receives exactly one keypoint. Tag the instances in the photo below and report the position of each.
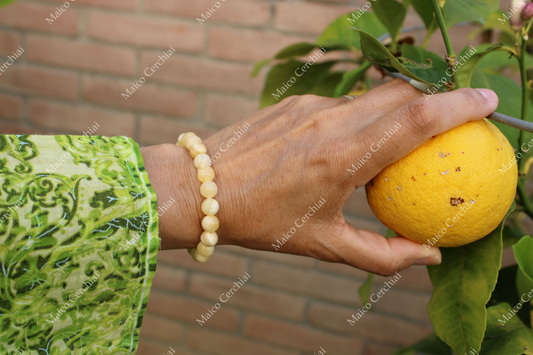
(374, 253)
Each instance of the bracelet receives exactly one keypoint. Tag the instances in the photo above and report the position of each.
(208, 189)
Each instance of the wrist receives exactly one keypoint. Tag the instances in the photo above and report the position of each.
(173, 177)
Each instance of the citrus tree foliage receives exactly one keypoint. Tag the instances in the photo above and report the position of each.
(476, 306)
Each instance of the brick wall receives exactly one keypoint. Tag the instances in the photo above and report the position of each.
(73, 72)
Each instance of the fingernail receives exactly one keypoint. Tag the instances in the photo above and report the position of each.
(489, 95)
(430, 260)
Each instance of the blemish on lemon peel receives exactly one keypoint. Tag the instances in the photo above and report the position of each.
(456, 201)
(451, 209)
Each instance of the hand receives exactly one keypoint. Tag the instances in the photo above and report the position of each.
(297, 153)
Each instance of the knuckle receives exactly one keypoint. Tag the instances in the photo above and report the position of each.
(420, 117)
(472, 97)
(389, 268)
(289, 99)
(309, 99)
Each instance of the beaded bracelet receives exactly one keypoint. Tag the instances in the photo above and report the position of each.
(208, 189)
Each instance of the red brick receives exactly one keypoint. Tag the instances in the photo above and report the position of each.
(46, 82)
(243, 12)
(306, 282)
(10, 107)
(298, 337)
(161, 329)
(140, 31)
(149, 347)
(169, 278)
(249, 297)
(189, 310)
(288, 259)
(115, 4)
(32, 16)
(227, 110)
(408, 304)
(379, 349)
(9, 42)
(203, 73)
(413, 278)
(80, 117)
(357, 204)
(80, 55)
(21, 128)
(220, 263)
(371, 326)
(343, 269)
(247, 45)
(146, 98)
(304, 17)
(224, 344)
(155, 130)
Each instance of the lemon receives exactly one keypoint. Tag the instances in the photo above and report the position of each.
(453, 190)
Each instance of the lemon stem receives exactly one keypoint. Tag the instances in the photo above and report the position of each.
(450, 58)
(522, 193)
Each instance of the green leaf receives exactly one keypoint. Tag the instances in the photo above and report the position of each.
(503, 337)
(469, 61)
(390, 233)
(510, 94)
(506, 291)
(434, 68)
(493, 23)
(290, 73)
(425, 10)
(366, 288)
(462, 286)
(295, 50)
(391, 13)
(523, 252)
(326, 86)
(511, 235)
(378, 54)
(456, 11)
(432, 345)
(350, 78)
(6, 2)
(338, 33)
(258, 66)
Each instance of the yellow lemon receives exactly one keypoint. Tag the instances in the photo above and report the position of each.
(452, 190)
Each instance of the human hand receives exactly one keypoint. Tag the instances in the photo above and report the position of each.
(296, 154)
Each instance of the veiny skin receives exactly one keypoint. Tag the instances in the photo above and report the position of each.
(453, 190)
(298, 151)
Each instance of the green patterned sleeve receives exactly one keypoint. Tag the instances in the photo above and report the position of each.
(78, 244)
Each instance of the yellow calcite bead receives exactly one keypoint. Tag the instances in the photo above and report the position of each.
(183, 138)
(198, 148)
(204, 250)
(209, 239)
(202, 160)
(210, 207)
(199, 257)
(210, 223)
(190, 251)
(208, 189)
(192, 141)
(206, 174)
